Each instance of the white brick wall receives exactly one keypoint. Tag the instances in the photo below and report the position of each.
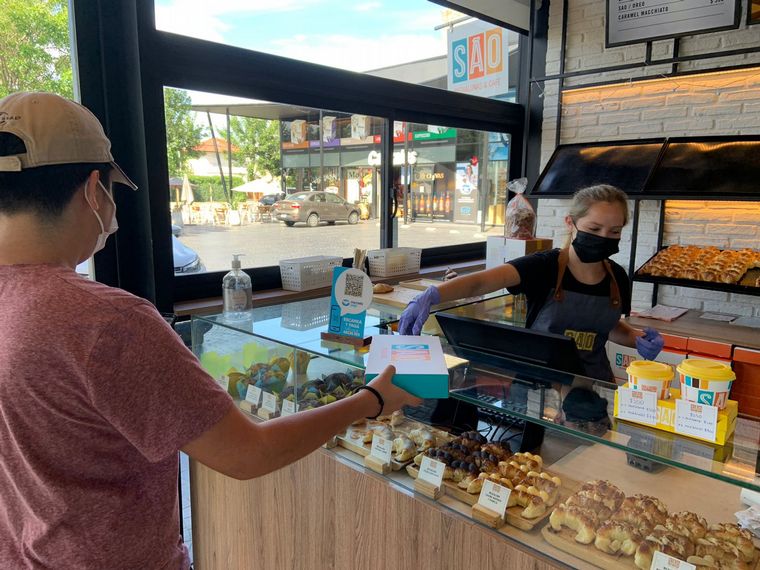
(726, 103)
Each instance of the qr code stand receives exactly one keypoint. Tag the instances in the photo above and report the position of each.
(354, 285)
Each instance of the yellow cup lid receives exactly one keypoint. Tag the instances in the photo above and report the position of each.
(706, 369)
(650, 369)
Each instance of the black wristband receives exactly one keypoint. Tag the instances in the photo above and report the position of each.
(379, 400)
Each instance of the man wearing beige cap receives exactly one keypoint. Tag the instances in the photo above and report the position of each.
(97, 393)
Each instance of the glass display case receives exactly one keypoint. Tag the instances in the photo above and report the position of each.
(585, 490)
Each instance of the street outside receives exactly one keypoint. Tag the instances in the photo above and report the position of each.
(266, 243)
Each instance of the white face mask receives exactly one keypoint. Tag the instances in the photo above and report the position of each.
(112, 224)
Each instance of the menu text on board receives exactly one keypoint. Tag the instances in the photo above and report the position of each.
(630, 21)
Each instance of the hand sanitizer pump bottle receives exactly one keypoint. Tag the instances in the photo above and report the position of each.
(236, 291)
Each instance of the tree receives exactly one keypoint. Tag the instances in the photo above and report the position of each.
(35, 49)
(182, 133)
(258, 141)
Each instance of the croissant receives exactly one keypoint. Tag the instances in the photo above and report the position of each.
(423, 438)
(615, 537)
(404, 449)
(533, 462)
(582, 521)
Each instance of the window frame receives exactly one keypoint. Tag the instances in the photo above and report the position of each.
(175, 61)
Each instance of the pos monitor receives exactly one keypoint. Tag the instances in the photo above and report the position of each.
(549, 350)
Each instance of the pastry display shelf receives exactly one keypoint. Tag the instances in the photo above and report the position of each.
(331, 493)
(536, 395)
(744, 286)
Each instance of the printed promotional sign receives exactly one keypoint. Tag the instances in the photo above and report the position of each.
(637, 406)
(478, 59)
(351, 296)
(696, 419)
(466, 195)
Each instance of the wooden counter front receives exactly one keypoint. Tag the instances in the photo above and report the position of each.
(324, 512)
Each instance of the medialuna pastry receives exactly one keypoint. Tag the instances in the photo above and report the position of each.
(382, 288)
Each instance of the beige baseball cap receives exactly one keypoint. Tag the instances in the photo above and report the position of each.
(55, 131)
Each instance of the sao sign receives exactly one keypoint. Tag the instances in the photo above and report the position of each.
(478, 59)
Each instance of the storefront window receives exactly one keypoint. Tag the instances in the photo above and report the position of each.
(415, 41)
(450, 183)
(269, 181)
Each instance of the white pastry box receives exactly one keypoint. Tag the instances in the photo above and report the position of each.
(500, 250)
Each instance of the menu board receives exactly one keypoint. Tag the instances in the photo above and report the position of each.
(635, 21)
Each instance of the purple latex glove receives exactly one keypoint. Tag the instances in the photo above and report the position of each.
(649, 345)
(416, 312)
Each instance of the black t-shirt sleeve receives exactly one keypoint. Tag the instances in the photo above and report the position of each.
(538, 271)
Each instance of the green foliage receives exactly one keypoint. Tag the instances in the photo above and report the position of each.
(209, 189)
(182, 134)
(258, 141)
(35, 51)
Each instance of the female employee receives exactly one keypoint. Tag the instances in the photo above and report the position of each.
(575, 291)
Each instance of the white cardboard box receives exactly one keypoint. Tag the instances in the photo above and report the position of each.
(500, 250)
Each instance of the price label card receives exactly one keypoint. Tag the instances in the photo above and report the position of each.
(662, 561)
(699, 420)
(494, 497)
(288, 408)
(224, 382)
(253, 396)
(270, 402)
(431, 471)
(381, 448)
(637, 406)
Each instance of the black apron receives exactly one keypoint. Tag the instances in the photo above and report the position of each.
(588, 319)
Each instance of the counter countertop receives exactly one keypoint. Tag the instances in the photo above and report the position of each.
(691, 325)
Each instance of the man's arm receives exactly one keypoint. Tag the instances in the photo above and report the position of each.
(240, 448)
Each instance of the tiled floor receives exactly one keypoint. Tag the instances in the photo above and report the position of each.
(187, 523)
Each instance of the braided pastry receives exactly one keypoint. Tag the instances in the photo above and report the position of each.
(584, 500)
(687, 524)
(666, 542)
(582, 521)
(643, 511)
(604, 492)
(712, 553)
(733, 534)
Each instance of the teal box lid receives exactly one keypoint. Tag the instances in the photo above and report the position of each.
(421, 385)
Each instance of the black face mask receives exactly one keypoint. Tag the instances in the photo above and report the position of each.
(591, 248)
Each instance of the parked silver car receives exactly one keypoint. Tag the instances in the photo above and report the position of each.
(313, 208)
